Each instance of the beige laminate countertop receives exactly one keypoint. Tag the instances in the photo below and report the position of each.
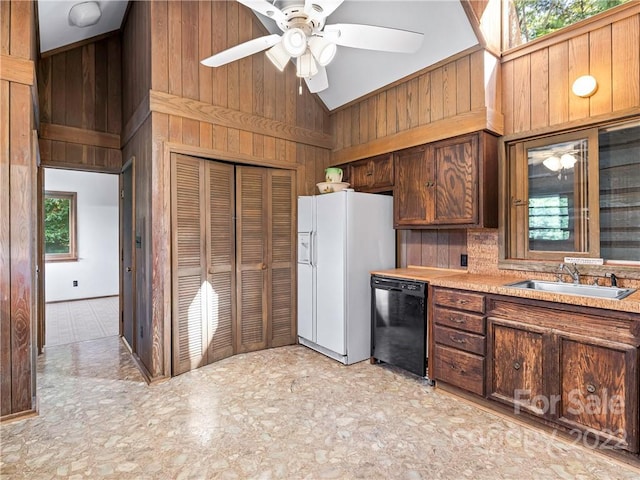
(496, 284)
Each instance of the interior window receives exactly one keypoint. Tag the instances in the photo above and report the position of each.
(60, 226)
(575, 195)
(531, 19)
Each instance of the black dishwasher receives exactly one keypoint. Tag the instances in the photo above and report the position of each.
(399, 323)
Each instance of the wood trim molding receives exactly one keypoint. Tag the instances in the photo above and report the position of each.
(162, 102)
(473, 121)
(16, 69)
(213, 154)
(63, 133)
(80, 43)
(614, 117)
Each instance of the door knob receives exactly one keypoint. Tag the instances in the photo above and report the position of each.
(263, 266)
(128, 269)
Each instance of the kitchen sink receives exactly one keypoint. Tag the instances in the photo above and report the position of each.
(594, 291)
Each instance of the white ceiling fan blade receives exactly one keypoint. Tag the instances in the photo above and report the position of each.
(240, 51)
(373, 38)
(321, 8)
(319, 81)
(265, 8)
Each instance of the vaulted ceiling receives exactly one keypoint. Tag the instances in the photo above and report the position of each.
(353, 72)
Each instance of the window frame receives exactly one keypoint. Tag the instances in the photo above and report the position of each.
(511, 241)
(72, 255)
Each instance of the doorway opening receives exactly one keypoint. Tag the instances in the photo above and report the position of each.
(80, 230)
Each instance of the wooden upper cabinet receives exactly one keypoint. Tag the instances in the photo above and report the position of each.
(372, 174)
(410, 192)
(447, 183)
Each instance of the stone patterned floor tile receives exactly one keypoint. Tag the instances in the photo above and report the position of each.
(285, 413)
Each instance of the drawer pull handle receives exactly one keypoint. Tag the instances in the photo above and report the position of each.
(516, 365)
(458, 320)
(458, 340)
(463, 302)
(591, 388)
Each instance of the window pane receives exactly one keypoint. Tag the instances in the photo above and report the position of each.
(59, 225)
(531, 19)
(620, 194)
(557, 197)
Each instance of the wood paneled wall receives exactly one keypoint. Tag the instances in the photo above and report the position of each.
(457, 96)
(80, 107)
(18, 212)
(537, 79)
(432, 248)
(246, 112)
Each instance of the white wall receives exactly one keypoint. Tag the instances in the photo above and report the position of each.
(96, 269)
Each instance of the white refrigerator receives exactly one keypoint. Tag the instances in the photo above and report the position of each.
(342, 236)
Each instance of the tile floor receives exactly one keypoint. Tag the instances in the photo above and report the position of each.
(285, 413)
(80, 320)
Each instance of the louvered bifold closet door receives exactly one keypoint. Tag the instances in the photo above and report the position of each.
(189, 335)
(282, 261)
(251, 258)
(221, 298)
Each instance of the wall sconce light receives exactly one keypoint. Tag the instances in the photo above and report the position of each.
(84, 14)
(585, 86)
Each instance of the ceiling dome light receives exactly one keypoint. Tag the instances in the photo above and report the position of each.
(323, 50)
(552, 163)
(585, 86)
(294, 42)
(84, 14)
(278, 56)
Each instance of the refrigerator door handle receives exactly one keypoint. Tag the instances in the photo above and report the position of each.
(312, 249)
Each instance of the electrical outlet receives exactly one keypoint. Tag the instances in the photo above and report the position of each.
(464, 260)
(75, 283)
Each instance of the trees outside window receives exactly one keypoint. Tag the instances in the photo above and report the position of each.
(60, 226)
(531, 19)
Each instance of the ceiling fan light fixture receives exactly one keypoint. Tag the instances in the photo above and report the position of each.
(323, 50)
(552, 163)
(567, 161)
(278, 56)
(306, 66)
(294, 42)
(84, 14)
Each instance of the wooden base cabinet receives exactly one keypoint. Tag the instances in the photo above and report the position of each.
(599, 389)
(576, 370)
(459, 340)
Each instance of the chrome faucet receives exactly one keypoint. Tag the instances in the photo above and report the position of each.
(575, 274)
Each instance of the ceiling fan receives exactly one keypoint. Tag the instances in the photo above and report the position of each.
(309, 42)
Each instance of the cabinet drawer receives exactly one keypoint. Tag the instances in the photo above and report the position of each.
(461, 369)
(460, 320)
(469, 342)
(473, 302)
